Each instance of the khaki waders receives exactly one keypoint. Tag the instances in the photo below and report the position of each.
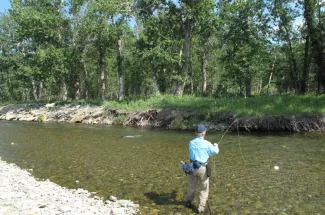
(198, 176)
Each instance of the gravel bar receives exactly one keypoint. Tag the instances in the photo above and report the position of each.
(22, 194)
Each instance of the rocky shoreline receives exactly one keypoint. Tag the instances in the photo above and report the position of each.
(21, 193)
(178, 119)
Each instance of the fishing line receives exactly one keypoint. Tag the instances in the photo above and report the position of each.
(241, 152)
(239, 145)
(228, 130)
(224, 133)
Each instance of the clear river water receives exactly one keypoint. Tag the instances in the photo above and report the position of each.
(146, 168)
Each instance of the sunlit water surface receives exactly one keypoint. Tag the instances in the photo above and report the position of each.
(146, 169)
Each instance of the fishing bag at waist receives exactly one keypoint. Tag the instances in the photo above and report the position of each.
(188, 168)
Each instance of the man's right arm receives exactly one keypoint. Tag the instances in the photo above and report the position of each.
(216, 146)
(213, 149)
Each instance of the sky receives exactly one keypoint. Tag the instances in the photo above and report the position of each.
(4, 5)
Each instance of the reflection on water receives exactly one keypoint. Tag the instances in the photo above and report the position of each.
(146, 169)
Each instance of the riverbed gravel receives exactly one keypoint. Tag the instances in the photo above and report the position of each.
(22, 194)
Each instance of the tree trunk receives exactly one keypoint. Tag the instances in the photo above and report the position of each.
(154, 78)
(84, 80)
(316, 41)
(101, 54)
(164, 83)
(77, 91)
(64, 91)
(295, 71)
(40, 91)
(293, 61)
(261, 87)
(34, 90)
(180, 88)
(120, 69)
(204, 72)
(248, 89)
(303, 83)
(185, 69)
(85, 92)
(269, 83)
(321, 46)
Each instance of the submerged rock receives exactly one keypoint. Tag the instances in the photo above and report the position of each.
(132, 136)
(50, 105)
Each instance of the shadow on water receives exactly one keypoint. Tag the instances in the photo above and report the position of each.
(164, 198)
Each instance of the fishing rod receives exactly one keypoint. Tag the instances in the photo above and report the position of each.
(213, 161)
(209, 206)
(224, 133)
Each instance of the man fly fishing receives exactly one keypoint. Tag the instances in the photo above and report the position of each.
(200, 151)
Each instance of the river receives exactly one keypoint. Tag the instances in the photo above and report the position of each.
(146, 168)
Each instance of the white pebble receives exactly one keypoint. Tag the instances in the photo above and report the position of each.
(276, 167)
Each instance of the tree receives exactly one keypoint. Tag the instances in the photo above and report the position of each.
(243, 41)
(284, 11)
(189, 14)
(315, 36)
(42, 24)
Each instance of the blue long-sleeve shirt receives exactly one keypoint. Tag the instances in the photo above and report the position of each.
(200, 149)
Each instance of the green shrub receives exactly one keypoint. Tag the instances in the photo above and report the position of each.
(119, 119)
(41, 118)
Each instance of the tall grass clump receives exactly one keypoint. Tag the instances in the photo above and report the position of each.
(259, 105)
(252, 106)
(4, 103)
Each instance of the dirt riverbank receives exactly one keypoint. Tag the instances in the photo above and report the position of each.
(177, 119)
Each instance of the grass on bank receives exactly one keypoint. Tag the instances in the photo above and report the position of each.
(259, 105)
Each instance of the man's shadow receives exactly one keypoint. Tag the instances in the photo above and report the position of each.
(164, 198)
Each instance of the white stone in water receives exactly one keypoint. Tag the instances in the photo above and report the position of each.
(113, 198)
(64, 209)
(132, 205)
(117, 211)
(124, 203)
(5, 209)
(276, 167)
(82, 191)
(7, 195)
(87, 213)
(50, 105)
(93, 209)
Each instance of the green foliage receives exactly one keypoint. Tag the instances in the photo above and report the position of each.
(68, 50)
(181, 124)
